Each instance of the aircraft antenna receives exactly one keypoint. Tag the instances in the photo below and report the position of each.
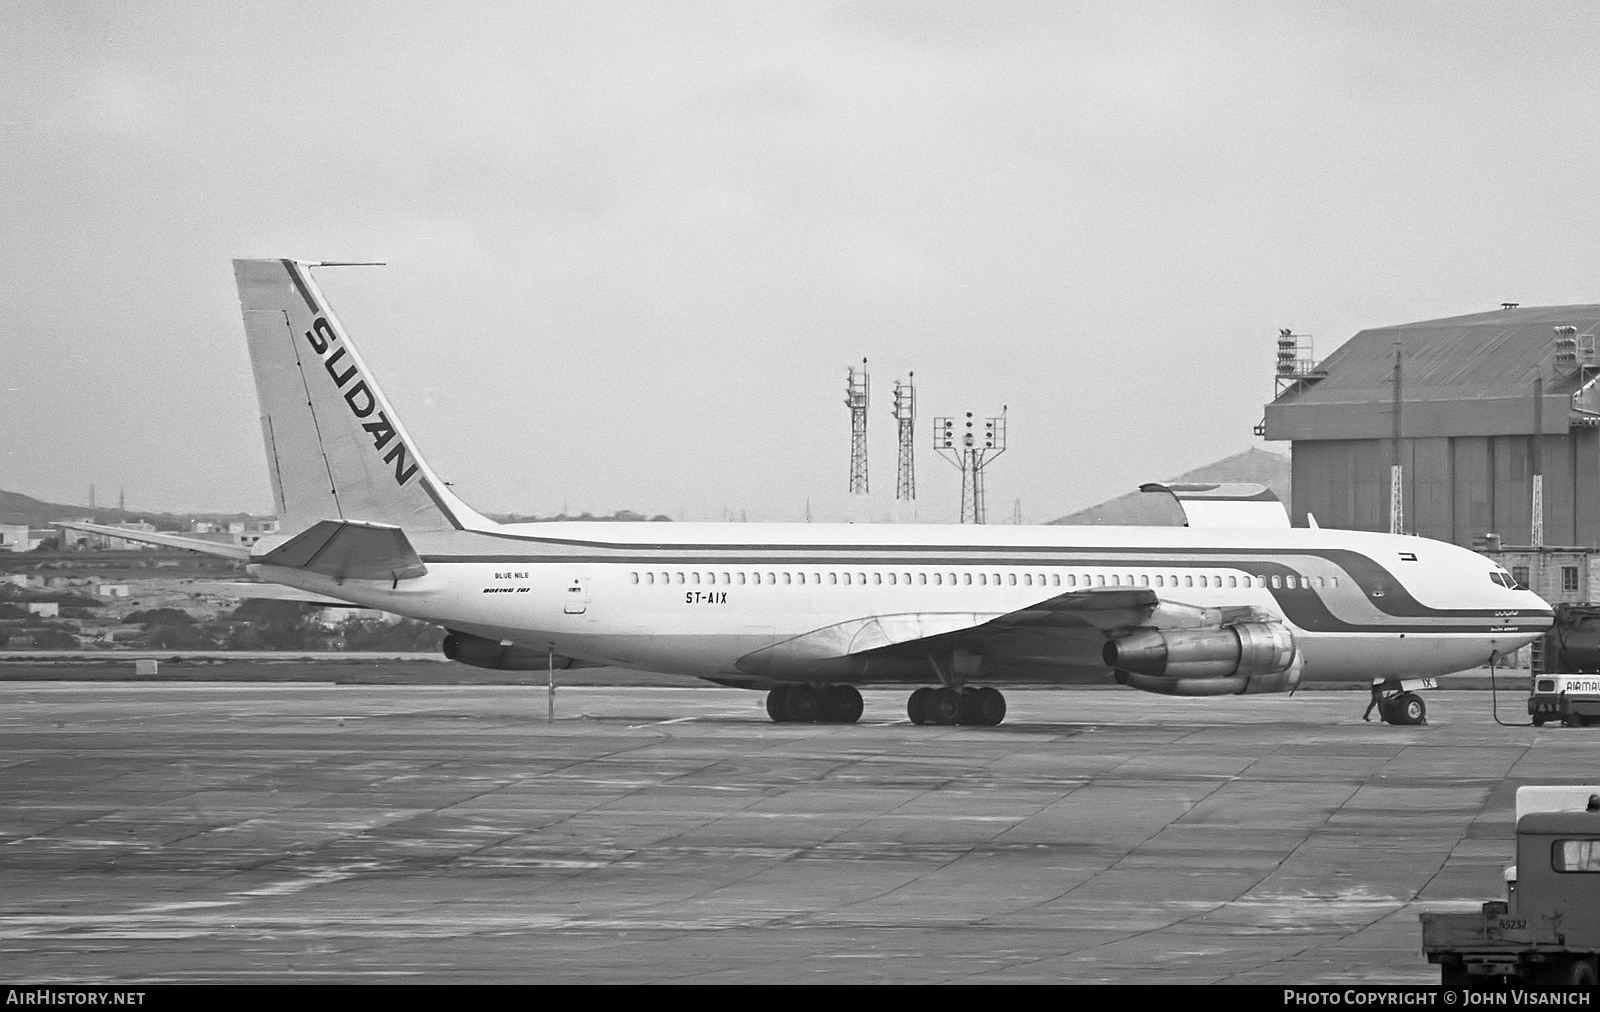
(971, 450)
(905, 416)
(856, 398)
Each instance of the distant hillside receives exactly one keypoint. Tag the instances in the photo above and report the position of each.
(1144, 509)
(625, 516)
(16, 508)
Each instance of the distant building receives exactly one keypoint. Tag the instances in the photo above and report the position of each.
(15, 538)
(43, 609)
(113, 590)
(1484, 399)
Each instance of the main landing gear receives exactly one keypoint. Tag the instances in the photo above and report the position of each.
(801, 703)
(983, 707)
(1397, 702)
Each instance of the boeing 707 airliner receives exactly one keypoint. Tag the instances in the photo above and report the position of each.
(809, 612)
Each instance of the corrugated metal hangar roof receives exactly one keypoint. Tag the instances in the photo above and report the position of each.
(1461, 376)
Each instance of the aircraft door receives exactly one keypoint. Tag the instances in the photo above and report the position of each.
(576, 599)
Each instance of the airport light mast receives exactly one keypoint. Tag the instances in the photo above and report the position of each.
(971, 451)
(856, 398)
(905, 414)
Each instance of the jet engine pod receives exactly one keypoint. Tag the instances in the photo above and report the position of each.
(1231, 652)
(481, 652)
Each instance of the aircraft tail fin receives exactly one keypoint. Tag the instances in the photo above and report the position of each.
(335, 447)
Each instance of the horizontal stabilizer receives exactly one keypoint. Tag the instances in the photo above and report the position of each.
(223, 549)
(350, 550)
(268, 592)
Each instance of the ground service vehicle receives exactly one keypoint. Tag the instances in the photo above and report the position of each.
(1546, 931)
(1572, 699)
(1566, 684)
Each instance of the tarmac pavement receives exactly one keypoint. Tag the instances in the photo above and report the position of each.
(157, 832)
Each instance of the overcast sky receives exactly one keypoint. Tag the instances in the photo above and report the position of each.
(634, 247)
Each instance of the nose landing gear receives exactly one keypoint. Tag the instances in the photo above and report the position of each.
(1397, 703)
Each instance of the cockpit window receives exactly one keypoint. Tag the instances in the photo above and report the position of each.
(1503, 580)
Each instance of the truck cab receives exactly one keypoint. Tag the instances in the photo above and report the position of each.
(1547, 930)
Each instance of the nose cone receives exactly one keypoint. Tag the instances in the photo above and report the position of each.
(1534, 613)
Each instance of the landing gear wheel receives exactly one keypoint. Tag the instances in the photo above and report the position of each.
(841, 704)
(1410, 709)
(803, 704)
(917, 705)
(776, 708)
(944, 706)
(983, 707)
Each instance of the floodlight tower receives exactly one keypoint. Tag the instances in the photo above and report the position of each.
(856, 398)
(971, 451)
(905, 414)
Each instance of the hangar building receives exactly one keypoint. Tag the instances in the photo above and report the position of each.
(1484, 400)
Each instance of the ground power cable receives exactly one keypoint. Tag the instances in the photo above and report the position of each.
(1494, 695)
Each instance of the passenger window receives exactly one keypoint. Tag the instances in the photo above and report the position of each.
(1072, 581)
(966, 578)
(635, 577)
(861, 578)
(983, 579)
(833, 579)
(1188, 581)
(1159, 581)
(1203, 581)
(679, 578)
(1290, 582)
(1100, 581)
(905, 578)
(1144, 581)
(1575, 855)
(847, 579)
(922, 579)
(1011, 579)
(741, 578)
(892, 580)
(1334, 580)
(816, 578)
(1027, 579)
(771, 579)
(1055, 579)
(997, 579)
(1276, 582)
(786, 579)
(877, 578)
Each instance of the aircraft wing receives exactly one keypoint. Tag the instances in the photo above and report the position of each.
(219, 548)
(1070, 627)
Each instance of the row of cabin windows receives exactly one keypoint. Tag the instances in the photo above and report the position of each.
(1208, 580)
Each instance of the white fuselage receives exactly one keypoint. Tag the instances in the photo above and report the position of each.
(696, 599)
